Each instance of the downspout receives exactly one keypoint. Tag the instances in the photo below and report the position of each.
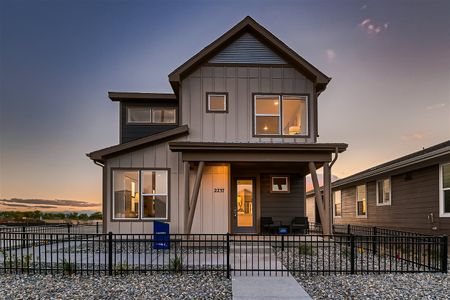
(336, 154)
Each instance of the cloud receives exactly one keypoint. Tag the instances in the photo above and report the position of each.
(416, 136)
(372, 27)
(331, 54)
(47, 202)
(364, 6)
(27, 206)
(435, 106)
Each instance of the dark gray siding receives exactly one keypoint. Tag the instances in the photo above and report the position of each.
(415, 194)
(247, 49)
(131, 132)
(283, 206)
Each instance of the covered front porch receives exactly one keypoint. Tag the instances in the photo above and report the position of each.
(252, 188)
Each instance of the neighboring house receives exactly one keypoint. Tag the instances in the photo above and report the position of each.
(232, 144)
(410, 193)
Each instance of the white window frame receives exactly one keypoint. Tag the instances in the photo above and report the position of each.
(268, 115)
(141, 194)
(139, 122)
(334, 204)
(150, 109)
(287, 183)
(356, 198)
(225, 98)
(155, 194)
(442, 214)
(384, 203)
(164, 108)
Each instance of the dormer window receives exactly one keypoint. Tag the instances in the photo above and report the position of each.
(217, 102)
(142, 115)
(281, 115)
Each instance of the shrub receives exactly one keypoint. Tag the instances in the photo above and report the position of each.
(176, 264)
(305, 249)
(68, 268)
(122, 267)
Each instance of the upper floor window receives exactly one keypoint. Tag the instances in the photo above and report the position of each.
(217, 102)
(444, 185)
(337, 203)
(151, 115)
(361, 201)
(384, 192)
(140, 194)
(284, 115)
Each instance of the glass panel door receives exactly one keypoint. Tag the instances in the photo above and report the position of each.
(244, 206)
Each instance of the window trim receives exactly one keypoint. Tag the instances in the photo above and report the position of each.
(127, 122)
(356, 201)
(378, 193)
(280, 97)
(334, 204)
(442, 214)
(287, 181)
(112, 218)
(209, 94)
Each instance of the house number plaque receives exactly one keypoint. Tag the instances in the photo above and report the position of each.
(219, 190)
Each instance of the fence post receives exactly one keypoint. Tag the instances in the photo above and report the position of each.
(444, 253)
(348, 229)
(110, 243)
(228, 255)
(282, 242)
(23, 236)
(96, 227)
(352, 254)
(68, 227)
(374, 240)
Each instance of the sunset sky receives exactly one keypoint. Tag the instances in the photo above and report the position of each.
(389, 60)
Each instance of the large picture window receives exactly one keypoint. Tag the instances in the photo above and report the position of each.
(444, 184)
(361, 201)
(337, 204)
(285, 115)
(140, 194)
(384, 192)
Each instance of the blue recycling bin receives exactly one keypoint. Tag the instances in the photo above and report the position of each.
(161, 235)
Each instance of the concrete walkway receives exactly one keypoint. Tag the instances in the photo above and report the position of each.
(267, 287)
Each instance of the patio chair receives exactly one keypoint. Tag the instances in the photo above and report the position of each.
(300, 225)
(268, 225)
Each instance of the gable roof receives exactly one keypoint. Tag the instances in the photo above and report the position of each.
(417, 157)
(101, 155)
(262, 34)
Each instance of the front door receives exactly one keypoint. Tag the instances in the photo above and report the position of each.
(244, 205)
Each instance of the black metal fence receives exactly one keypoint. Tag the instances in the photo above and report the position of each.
(94, 227)
(224, 254)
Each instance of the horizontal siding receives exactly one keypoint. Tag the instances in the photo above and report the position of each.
(247, 49)
(414, 197)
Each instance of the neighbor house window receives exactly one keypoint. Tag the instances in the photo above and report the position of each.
(444, 182)
(337, 203)
(140, 194)
(361, 201)
(217, 102)
(284, 115)
(151, 115)
(384, 192)
(279, 184)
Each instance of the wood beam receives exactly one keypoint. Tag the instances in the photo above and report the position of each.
(327, 197)
(187, 168)
(193, 201)
(318, 197)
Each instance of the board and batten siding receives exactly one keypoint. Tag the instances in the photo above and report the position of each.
(415, 195)
(310, 209)
(240, 83)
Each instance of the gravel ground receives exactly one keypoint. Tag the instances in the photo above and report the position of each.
(390, 286)
(157, 286)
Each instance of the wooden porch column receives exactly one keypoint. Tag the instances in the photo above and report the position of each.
(327, 197)
(319, 200)
(187, 168)
(193, 200)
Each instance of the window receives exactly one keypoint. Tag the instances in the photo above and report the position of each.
(140, 194)
(151, 115)
(337, 203)
(279, 184)
(361, 201)
(164, 115)
(384, 192)
(217, 102)
(444, 184)
(281, 115)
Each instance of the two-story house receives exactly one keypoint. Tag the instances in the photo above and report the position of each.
(232, 144)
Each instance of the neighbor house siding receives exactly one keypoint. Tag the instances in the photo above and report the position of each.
(415, 194)
(240, 83)
(283, 206)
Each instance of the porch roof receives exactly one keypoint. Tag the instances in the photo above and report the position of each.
(253, 152)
